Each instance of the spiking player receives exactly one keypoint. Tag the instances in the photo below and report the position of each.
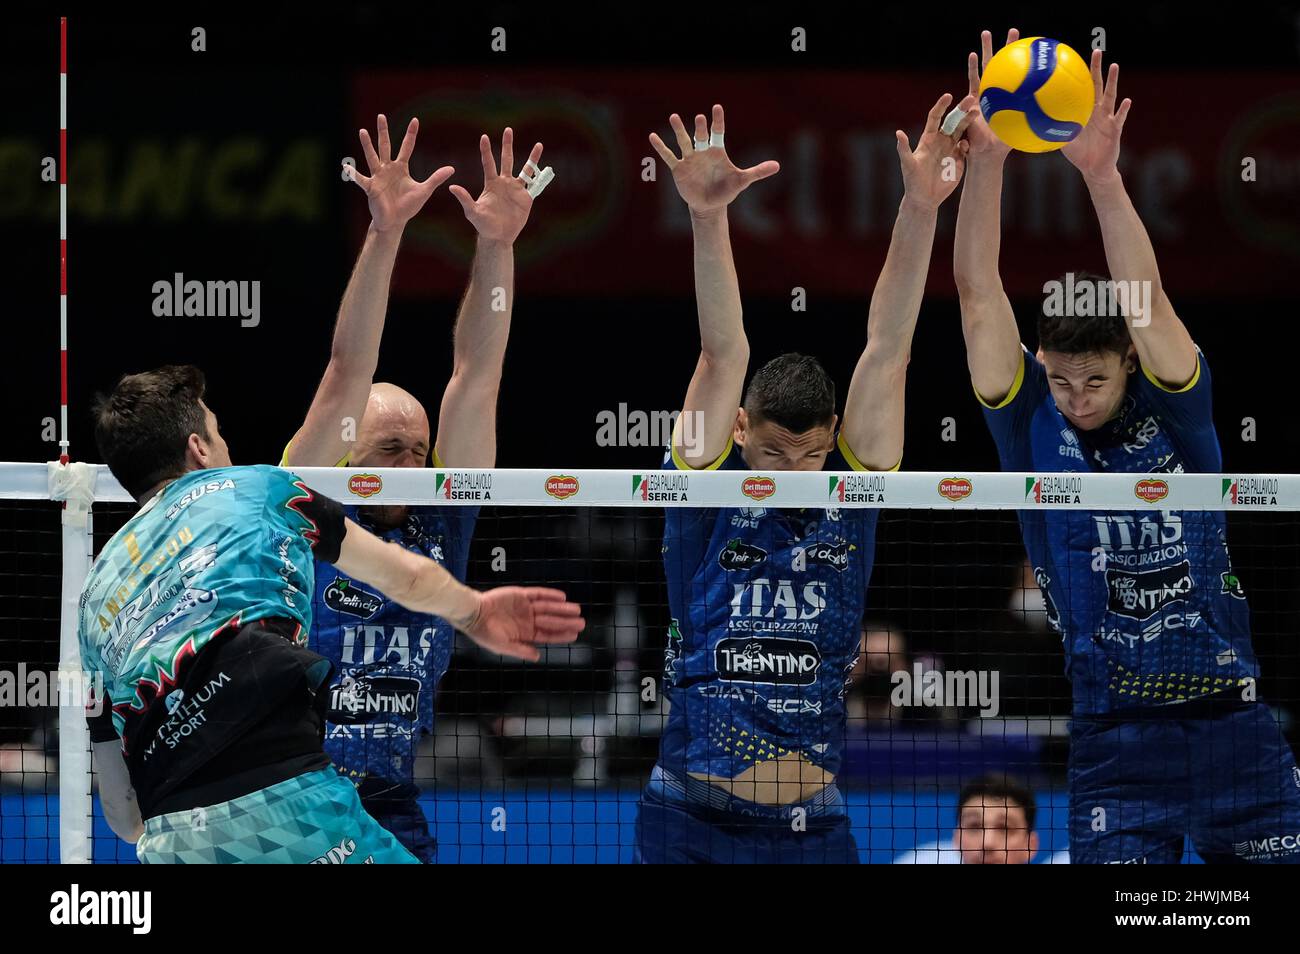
(767, 603)
(1168, 738)
(389, 658)
(196, 614)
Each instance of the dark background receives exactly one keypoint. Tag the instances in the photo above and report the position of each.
(224, 165)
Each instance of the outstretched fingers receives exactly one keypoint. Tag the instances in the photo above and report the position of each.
(408, 141)
(670, 159)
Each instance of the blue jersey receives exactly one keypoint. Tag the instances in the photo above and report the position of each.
(766, 609)
(1146, 601)
(212, 552)
(388, 659)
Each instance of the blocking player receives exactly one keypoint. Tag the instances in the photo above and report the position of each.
(766, 604)
(390, 659)
(196, 614)
(1168, 737)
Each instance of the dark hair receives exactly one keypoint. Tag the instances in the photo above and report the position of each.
(141, 429)
(1104, 330)
(1000, 786)
(793, 391)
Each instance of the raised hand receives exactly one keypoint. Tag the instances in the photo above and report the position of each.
(927, 178)
(394, 197)
(983, 143)
(1095, 151)
(500, 212)
(516, 620)
(707, 178)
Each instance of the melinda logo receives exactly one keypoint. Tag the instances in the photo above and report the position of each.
(365, 485)
(758, 488)
(1151, 490)
(562, 486)
(955, 488)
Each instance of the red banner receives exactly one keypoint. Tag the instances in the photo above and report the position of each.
(1210, 162)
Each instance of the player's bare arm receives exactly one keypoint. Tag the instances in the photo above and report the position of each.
(987, 320)
(708, 181)
(467, 421)
(1162, 341)
(394, 198)
(116, 794)
(510, 620)
(873, 411)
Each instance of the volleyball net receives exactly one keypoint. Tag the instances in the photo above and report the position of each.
(953, 671)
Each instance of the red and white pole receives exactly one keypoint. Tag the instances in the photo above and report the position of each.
(63, 239)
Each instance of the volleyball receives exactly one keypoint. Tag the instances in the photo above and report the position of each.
(1036, 94)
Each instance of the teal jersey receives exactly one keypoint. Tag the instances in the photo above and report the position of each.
(212, 552)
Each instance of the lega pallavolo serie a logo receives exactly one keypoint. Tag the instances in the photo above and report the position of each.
(858, 488)
(461, 485)
(1053, 490)
(665, 487)
(1250, 491)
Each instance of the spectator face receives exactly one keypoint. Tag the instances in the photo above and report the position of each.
(991, 830)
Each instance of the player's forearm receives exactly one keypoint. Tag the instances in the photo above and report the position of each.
(1130, 255)
(360, 326)
(896, 300)
(978, 241)
(432, 589)
(717, 290)
(483, 322)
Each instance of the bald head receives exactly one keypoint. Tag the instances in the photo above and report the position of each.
(394, 431)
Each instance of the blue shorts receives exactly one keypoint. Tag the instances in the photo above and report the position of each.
(674, 828)
(1225, 778)
(315, 818)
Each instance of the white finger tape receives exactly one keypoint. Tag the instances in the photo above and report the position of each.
(715, 140)
(701, 145)
(952, 120)
(538, 183)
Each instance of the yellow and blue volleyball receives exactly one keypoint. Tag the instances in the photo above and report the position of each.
(1036, 94)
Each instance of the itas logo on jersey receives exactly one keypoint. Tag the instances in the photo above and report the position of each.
(1141, 595)
(858, 488)
(463, 485)
(670, 487)
(364, 698)
(738, 555)
(344, 596)
(782, 606)
(1250, 491)
(771, 660)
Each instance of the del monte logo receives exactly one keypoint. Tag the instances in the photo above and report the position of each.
(562, 486)
(1151, 489)
(955, 488)
(758, 488)
(365, 485)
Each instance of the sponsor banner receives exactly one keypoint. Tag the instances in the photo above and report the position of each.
(833, 205)
(787, 489)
